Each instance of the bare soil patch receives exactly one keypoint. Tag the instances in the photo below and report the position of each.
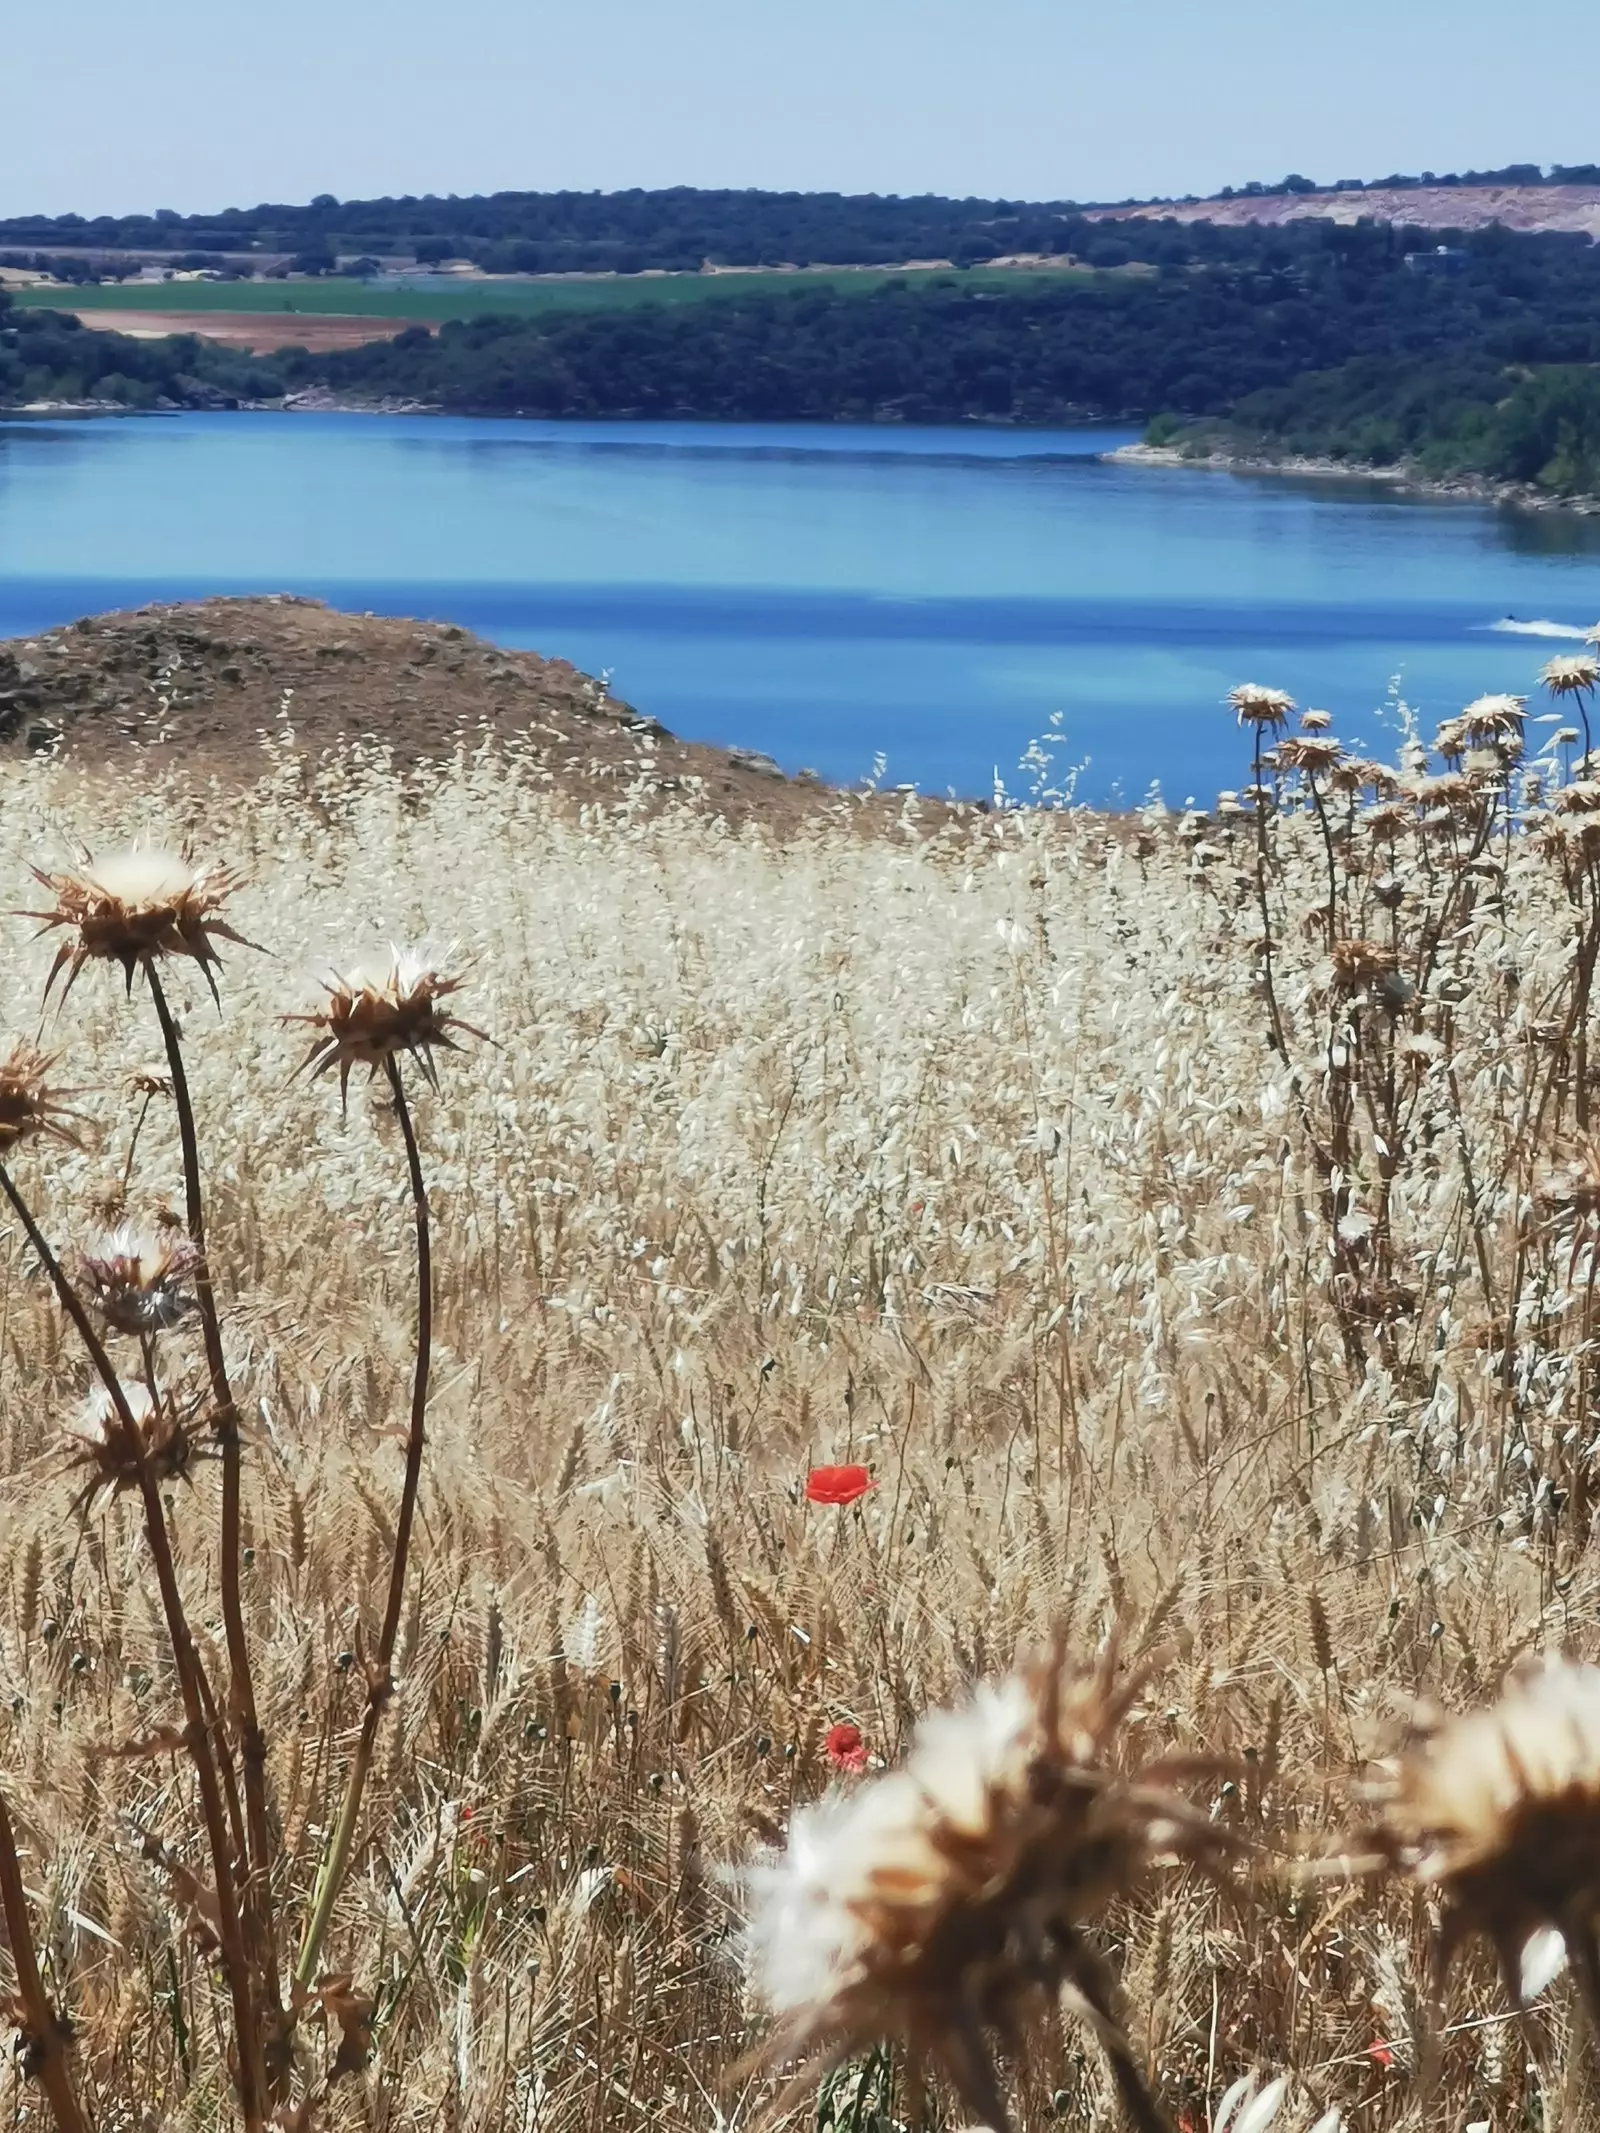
(261, 332)
(1573, 208)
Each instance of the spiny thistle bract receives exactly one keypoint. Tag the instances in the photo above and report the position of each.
(1575, 674)
(137, 906)
(1258, 706)
(136, 1276)
(99, 1440)
(378, 1012)
(1499, 1810)
(29, 1106)
(1308, 753)
(944, 1905)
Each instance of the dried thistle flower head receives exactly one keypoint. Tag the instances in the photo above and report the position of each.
(29, 1106)
(135, 907)
(1353, 774)
(100, 1441)
(1450, 738)
(375, 1013)
(1308, 753)
(946, 1902)
(1575, 1190)
(1358, 965)
(1575, 674)
(1256, 706)
(1315, 721)
(1387, 822)
(136, 1276)
(1500, 1811)
(1490, 719)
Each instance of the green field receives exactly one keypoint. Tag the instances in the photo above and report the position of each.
(501, 298)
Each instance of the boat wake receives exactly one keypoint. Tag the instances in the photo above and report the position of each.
(1511, 627)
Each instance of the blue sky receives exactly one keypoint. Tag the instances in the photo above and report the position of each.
(197, 104)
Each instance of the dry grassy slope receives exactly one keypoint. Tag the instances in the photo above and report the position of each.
(960, 1153)
(200, 684)
(1429, 207)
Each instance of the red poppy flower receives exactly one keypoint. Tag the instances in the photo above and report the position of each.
(846, 1750)
(837, 1484)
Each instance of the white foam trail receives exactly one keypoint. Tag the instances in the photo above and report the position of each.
(1510, 628)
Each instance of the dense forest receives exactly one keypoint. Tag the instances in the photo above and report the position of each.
(1320, 339)
(1317, 338)
(625, 232)
(1467, 416)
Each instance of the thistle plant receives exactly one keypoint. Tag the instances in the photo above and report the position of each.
(138, 910)
(950, 1904)
(375, 1018)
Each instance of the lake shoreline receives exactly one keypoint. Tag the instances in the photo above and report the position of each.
(1458, 488)
(963, 603)
(1400, 480)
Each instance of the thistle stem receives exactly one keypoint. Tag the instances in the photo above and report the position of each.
(257, 1905)
(1274, 1020)
(380, 1682)
(47, 2035)
(197, 1734)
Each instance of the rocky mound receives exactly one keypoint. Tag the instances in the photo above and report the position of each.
(206, 685)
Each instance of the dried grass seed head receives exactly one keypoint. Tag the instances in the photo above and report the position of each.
(378, 1012)
(942, 1903)
(135, 907)
(29, 1106)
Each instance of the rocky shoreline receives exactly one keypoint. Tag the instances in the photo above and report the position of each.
(1461, 488)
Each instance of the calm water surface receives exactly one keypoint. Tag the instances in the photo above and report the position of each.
(824, 594)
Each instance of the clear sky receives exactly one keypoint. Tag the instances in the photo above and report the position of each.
(202, 104)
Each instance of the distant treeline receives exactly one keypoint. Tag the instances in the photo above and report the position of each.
(1315, 338)
(1508, 174)
(624, 232)
(677, 228)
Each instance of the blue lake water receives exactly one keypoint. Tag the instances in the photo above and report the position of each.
(825, 594)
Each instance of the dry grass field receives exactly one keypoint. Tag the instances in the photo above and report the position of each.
(1191, 1227)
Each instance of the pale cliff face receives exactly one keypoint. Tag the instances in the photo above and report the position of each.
(1432, 207)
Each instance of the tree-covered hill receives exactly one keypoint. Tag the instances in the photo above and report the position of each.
(675, 227)
(1336, 341)
(1189, 341)
(563, 232)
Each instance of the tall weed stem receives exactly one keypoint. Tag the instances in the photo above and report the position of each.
(257, 1905)
(380, 1682)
